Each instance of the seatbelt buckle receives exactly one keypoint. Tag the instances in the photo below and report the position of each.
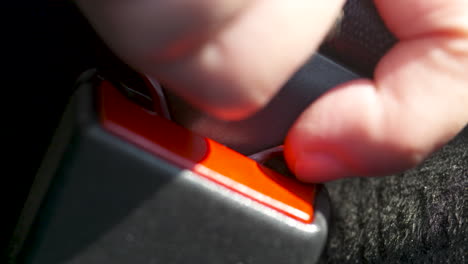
(123, 184)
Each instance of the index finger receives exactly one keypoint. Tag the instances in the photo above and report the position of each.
(228, 58)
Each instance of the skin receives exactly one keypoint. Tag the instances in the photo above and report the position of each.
(229, 57)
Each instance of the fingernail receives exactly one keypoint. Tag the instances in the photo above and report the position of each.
(319, 167)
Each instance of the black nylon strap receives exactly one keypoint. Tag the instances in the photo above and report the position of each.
(360, 39)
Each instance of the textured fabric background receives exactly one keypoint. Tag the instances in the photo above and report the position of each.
(419, 216)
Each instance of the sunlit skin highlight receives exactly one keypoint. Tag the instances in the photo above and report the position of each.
(230, 57)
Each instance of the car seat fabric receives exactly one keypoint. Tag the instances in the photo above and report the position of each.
(418, 216)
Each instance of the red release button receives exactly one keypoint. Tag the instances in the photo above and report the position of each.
(206, 157)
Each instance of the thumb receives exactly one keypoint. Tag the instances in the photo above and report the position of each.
(416, 103)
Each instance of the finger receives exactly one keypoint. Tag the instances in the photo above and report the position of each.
(246, 53)
(149, 31)
(417, 101)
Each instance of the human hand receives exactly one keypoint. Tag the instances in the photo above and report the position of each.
(230, 57)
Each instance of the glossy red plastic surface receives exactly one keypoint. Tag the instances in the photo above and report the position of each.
(203, 156)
